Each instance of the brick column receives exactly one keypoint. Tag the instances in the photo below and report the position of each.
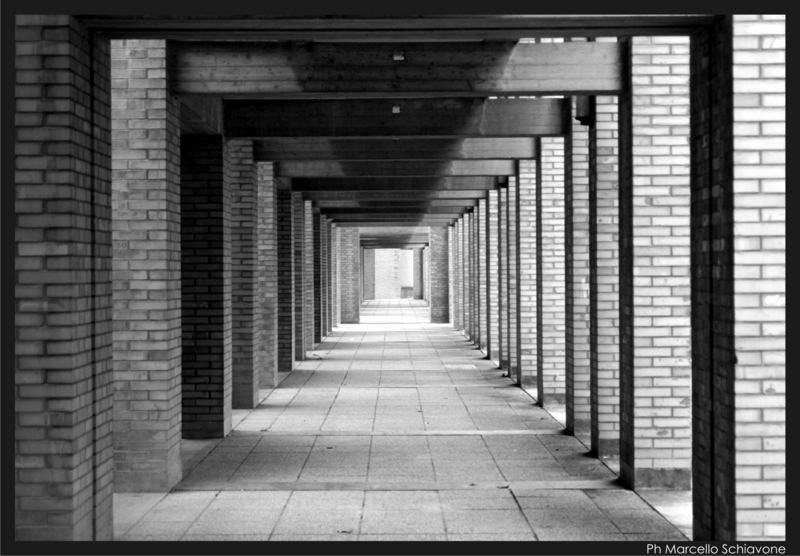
(451, 273)
(502, 230)
(146, 269)
(576, 248)
(493, 275)
(323, 260)
(308, 277)
(483, 276)
(477, 280)
(738, 279)
(466, 283)
(551, 264)
(63, 465)
(285, 247)
(336, 249)
(267, 285)
(655, 372)
(349, 271)
(248, 324)
(437, 242)
(513, 281)
(317, 275)
(458, 316)
(426, 277)
(206, 304)
(298, 240)
(529, 274)
(368, 278)
(604, 379)
(330, 262)
(418, 273)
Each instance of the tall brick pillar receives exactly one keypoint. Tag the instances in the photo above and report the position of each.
(63, 463)
(502, 230)
(604, 350)
(206, 301)
(451, 273)
(655, 371)
(529, 275)
(426, 275)
(474, 276)
(248, 321)
(146, 269)
(317, 253)
(323, 276)
(467, 284)
(514, 322)
(337, 275)
(368, 278)
(349, 272)
(738, 279)
(493, 275)
(330, 262)
(418, 276)
(437, 242)
(483, 276)
(576, 249)
(458, 320)
(309, 287)
(286, 276)
(552, 321)
(298, 240)
(267, 286)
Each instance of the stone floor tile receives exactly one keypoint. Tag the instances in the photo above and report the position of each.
(416, 521)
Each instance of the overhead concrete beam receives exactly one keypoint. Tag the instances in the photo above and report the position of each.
(452, 117)
(280, 69)
(325, 148)
(394, 184)
(393, 169)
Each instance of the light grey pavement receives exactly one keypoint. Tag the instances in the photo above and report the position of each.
(394, 429)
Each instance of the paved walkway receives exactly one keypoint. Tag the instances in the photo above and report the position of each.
(394, 429)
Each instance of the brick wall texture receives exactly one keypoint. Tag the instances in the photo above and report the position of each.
(286, 272)
(63, 301)
(308, 276)
(655, 383)
(502, 230)
(483, 276)
(248, 325)
(349, 256)
(437, 243)
(298, 240)
(551, 265)
(493, 275)
(576, 274)
(738, 279)
(206, 300)
(267, 288)
(146, 234)
(529, 276)
(604, 276)
(514, 322)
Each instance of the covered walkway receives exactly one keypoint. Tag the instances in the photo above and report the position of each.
(397, 429)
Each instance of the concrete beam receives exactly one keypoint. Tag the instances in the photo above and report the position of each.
(392, 169)
(280, 69)
(394, 184)
(452, 117)
(399, 195)
(427, 28)
(325, 148)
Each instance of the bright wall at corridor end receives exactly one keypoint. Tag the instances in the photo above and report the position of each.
(393, 272)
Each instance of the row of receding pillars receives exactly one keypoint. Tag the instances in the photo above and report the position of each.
(580, 273)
